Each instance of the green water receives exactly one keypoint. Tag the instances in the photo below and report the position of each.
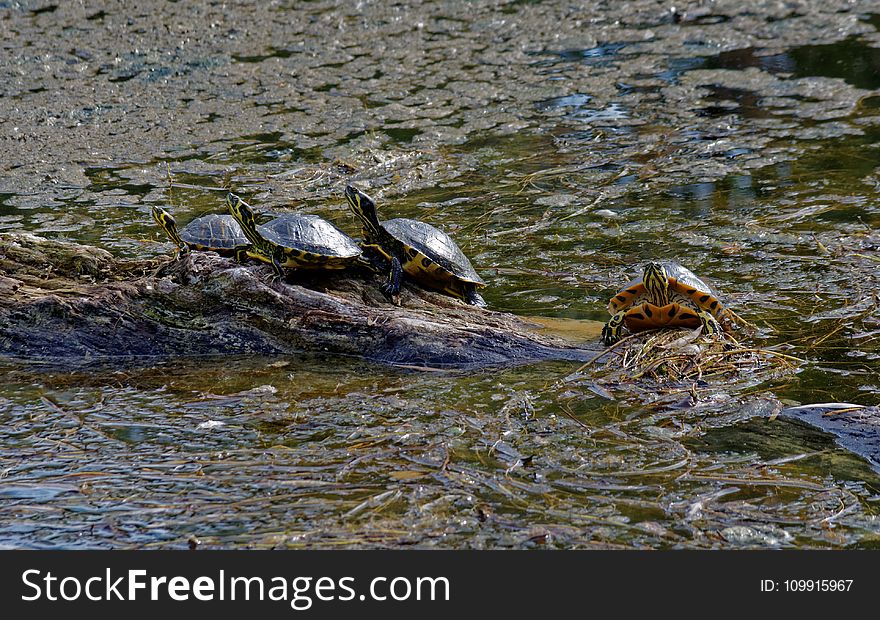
(776, 205)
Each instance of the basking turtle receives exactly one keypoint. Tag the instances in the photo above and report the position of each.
(667, 295)
(295, 241)
(216, 233)
(428, 255)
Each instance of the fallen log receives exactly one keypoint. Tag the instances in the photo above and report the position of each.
(65, 302)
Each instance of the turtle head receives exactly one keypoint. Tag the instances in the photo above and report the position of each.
(363, 207)
(241, 211)
(167, 222)
(162, 216)
(656, 282)
(244, 215)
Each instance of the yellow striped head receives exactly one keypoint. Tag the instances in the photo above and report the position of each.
(241, 211)
(162, 217)
(656, 282)
(363, 207)
(168, 224)
(244, 215)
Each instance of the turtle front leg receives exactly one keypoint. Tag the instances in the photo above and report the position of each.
(391, 286)
(711, 326)
(276, 266)
(241, 254)
(182, 250)
(613, 328)
(472, 297)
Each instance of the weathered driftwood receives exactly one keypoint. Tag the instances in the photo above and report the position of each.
(62, 301)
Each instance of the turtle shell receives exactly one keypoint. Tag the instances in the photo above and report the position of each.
(423, 241)
(686, 278)
(214, 232)
(681, 280)
(309, 233)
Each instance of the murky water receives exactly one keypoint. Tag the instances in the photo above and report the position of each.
(561, 150)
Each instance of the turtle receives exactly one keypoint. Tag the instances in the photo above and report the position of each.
(215, 233)
(666, 295)
(294, 240)
(427, 255)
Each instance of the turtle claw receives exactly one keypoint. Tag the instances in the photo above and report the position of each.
(611, 332)
(389, 292)
(390, 287)
(475, 299)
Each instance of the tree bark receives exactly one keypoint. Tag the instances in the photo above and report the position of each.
(62, 301)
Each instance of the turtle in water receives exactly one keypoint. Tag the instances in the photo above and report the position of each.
(666, 295)
(215, 233)
(294, 241)
(427, 255)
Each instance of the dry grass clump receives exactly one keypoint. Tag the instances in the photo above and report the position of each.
(684, 355)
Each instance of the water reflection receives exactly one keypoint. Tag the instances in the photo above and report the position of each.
(598, 55)
(850, 60)
(576, 108)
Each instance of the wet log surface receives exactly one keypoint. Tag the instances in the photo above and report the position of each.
(65, 302)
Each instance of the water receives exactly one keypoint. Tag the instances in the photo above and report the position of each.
(559, 164)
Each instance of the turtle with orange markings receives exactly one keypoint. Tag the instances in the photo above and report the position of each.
(666, 295)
